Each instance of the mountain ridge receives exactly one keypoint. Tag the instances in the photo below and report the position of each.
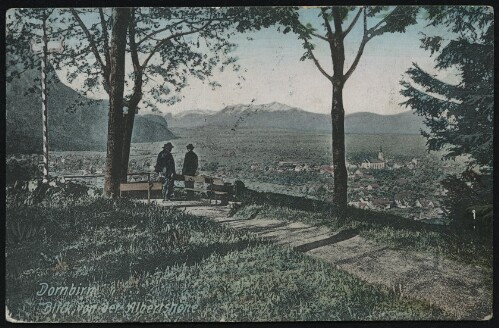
(83, 129)
(282, 116)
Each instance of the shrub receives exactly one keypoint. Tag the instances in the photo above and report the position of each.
(467, 192)
(21, 170)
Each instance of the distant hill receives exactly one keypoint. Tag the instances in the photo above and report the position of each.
(151, 128)
(273, 115)
(281, 116)
(83, 129)
(371, 123)
(189, 118)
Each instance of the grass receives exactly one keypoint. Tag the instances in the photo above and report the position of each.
(148, 263)
(468, 247)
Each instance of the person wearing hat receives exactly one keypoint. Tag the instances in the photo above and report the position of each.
(165, 166)
(190, 167)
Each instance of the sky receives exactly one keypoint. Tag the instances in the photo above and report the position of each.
(274, 72)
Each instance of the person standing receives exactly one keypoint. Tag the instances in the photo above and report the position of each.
(189, 168)
(165, 166)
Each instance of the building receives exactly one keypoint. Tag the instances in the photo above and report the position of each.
(396, 166)
(402, 199)
(368, 177)
(357, 186)
(375, 164)
(361, 204)
(381, 203)
(372, 186)
(424, 203)
(358, 174)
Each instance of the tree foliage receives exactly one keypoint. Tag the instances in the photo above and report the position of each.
(467, 192)
(166, 47)
(171, 45)
(459, 116)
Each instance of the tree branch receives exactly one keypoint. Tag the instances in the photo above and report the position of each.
(93, 46)
(316, 62)
(133, 44)
(137, 69)
(377, 30)
(173, 36)
(382, 21)
(363, 43)
(312, 33)
(166, 28)
(106, 36)
(328, 26)
(352, 24)
(190, 23)
(365, 23)
(337, 21)
(319, 36)
(330, 40)
(47, 14)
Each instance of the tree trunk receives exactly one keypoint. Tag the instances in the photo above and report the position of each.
(127, 140)
(134, 101)
(128, 125)
(338, 119)
(338, 143)
(121, 17)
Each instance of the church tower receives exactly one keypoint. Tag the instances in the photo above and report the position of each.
(381, 157)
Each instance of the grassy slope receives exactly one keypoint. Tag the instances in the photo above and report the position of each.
(383, 228)
(139, 253)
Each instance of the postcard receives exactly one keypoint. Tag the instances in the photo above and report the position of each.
(201, 164)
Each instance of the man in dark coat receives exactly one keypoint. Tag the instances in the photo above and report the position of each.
(190, 167)
(165, 166)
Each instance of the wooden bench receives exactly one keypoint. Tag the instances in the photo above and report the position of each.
(214, 188)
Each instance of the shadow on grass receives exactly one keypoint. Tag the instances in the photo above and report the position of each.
(266, 228)
(362, 256)
(127, 264)
(293, 202)
(354, 214)
(341, 236)
(392, 221)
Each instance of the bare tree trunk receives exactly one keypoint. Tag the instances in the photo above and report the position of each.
(134, 101)
(128, 126)
(127, 140)
(121, 18)
(338, 143)
(338, 119)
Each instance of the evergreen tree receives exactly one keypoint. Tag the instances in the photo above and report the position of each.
(460, 116)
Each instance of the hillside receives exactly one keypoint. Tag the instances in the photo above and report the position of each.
(371, 123)
(151, 128)
(82, 129)
(189, 118)
(281, 116)
(189, 268)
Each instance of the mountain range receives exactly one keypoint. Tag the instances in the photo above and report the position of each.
(280, 116)
(85, 128)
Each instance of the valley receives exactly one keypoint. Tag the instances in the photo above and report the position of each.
(296, 163)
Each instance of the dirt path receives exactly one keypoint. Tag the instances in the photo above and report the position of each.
(456, 288)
